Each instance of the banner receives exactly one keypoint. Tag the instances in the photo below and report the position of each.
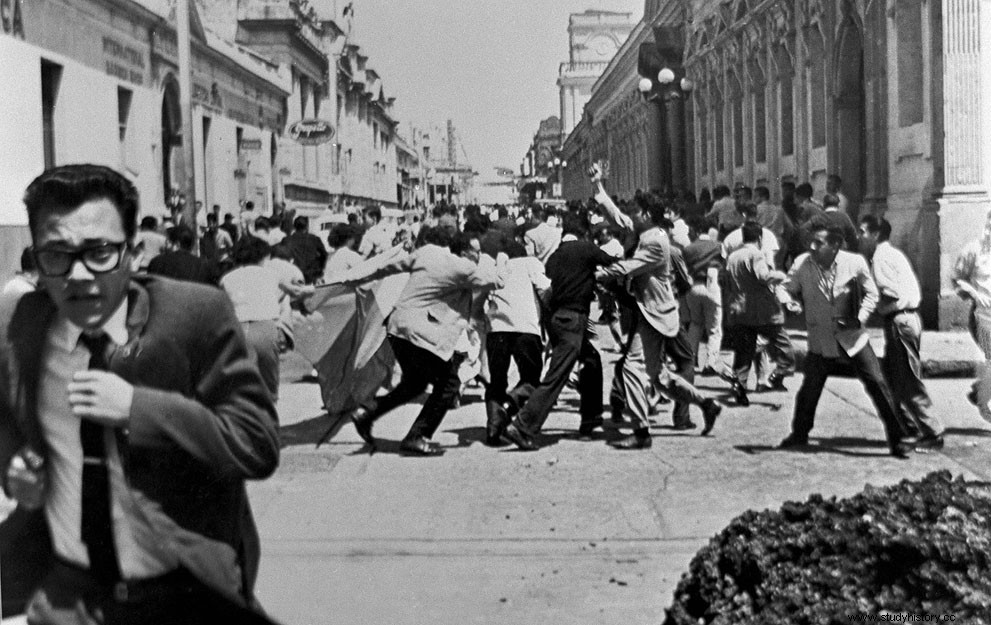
(344, 339)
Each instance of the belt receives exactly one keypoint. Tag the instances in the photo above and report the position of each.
(895, 313)
(134, 591)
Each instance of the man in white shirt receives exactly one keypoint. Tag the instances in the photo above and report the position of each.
(834, 184)
(898, 306)
(542, 239)
(151, 242)
(513, 312)
(378, 234)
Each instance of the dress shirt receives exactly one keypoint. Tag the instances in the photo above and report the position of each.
(774, 219)
(896, 282)
(513, 308)
(140, 552)
(768, 244)
(254, 291)
(974, 266)
(342, 259)
(151, 243)
(542, 241)
(679, 233)
(376, 240)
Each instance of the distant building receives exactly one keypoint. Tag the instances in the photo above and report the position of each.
(109, 94)
(593, 39)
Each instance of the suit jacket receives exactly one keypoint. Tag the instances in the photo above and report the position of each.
(201, 420)
(829, 316)
(435, 305)
(648, 273)
(750, 298)
(180, 265)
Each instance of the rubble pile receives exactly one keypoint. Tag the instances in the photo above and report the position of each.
(916, 547)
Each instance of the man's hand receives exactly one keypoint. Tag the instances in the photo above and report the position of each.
(27, 480)
(102, 397)
(595, 173)
(794, 308)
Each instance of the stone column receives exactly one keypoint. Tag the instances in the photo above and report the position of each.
(962, 176)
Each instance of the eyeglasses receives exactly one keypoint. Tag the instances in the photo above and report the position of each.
(99, 258)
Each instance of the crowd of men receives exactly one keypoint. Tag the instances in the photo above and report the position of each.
(133, 408)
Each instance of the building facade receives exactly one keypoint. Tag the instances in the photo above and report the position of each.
(891, 95)
(594, 37)
(108, 94)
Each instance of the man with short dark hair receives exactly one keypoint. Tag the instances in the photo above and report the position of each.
(702, 305)
(838, 294)
(752, 310)
(773, 218)
(900, 297)
(308, 251)
(378, 235)
(839, 219)
(179, 262)
(834, 185)
(138, 401)
(571, 269)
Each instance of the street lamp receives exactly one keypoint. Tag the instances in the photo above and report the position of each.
(665, 76)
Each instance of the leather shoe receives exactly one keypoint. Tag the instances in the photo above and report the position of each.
(587, 429)
(929, 443)
(900, 449)
(792, 440)
(688, 425)
(632, 442)
(710, 411)
(740, 393)
(418, 446)
(518, 438)
(363, 421)
(776, 382)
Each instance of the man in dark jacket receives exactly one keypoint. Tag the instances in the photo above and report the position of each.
(307, 250)
(136, 415)
(179, 263)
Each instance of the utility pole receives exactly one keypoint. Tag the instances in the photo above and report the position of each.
(186, 111)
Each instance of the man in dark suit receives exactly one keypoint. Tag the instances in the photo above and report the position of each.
(179, 263)
(136, 415)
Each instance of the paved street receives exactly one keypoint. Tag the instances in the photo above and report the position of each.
(573, 533)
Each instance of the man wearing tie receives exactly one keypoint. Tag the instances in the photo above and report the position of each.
(136, 414)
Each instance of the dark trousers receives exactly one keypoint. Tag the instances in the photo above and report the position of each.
(744, 340)
(501, 347)
(818, 368)
(176, 598)
(902, 367)
(682, 356)
(420, 368)
(570, 343)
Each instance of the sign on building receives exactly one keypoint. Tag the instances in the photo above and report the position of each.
(311, 131)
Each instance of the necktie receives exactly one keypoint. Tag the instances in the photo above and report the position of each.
(97, 525)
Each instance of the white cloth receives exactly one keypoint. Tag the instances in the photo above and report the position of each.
(254, 291)
(342, 259)
(140, 552)
(614, 248)
(19, 285)
(679, 233)
(377, 239)
(152, 244)
(513, 308)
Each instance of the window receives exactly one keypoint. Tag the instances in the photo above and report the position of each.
(336, 165)
(908, 25)
(123, 110)
(720, 130)
(51, 76)
(703, 122)
(760, 124)
(737, 106)
(817, 89)
(786, 113)
(375, 136)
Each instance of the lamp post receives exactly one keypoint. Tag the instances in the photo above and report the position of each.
(559, 165)
(670, 92)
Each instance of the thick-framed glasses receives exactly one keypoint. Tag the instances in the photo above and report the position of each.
(99, 258)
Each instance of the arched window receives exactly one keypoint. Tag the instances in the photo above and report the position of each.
(908, 25)
(817, 88)
(719, 127)
(736, 105)
(702, 119)
(786, 102)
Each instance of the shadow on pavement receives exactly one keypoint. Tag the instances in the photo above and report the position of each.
(824, 446)
(981, 432)
(311, 430)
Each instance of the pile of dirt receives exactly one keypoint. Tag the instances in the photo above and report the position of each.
(921, 547)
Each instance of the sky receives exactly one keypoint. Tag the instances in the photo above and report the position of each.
(491, 66)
